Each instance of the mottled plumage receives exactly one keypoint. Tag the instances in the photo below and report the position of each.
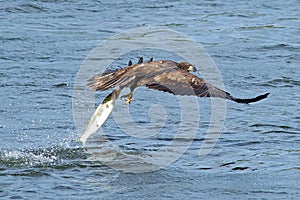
(162, 75)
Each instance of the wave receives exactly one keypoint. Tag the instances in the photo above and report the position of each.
(281, 82)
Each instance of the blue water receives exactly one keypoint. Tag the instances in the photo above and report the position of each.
(255, 45)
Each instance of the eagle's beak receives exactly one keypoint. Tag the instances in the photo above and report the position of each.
(192, 68)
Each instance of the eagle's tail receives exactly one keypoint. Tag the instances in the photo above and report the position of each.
(247, 101)
(108, 80)
(99, 81)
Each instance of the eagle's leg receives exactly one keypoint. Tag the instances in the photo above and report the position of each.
(128, 97)
(117, 92)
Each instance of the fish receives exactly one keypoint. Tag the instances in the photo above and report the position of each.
(100, 115)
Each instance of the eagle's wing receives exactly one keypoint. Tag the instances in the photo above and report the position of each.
(179, 82)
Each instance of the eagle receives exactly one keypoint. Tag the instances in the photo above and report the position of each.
(162, 75)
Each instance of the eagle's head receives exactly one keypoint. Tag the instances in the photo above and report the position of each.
(186, 66)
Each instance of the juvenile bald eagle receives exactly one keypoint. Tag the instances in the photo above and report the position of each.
(162, 75)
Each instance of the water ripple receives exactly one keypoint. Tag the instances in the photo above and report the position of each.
(26, 8)
(272, 125)
(281, 82)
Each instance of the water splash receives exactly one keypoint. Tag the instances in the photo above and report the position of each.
(46, 157)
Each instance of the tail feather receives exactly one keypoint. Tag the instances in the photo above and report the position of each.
(106, 81)
(247, 101)
(99, 81)
(111, 78)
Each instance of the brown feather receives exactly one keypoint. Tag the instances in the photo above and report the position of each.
(163, 75)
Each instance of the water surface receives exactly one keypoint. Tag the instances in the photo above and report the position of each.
(256, 48)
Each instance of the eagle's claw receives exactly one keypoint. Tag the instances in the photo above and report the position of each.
(128, 98)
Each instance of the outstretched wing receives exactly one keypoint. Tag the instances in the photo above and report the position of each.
(179, 82)
(130, 75)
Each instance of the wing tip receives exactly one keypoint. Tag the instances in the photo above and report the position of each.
(251, 100)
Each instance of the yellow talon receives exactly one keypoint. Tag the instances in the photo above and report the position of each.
(128, 97)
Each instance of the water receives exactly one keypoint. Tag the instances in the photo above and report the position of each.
(256, 48)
